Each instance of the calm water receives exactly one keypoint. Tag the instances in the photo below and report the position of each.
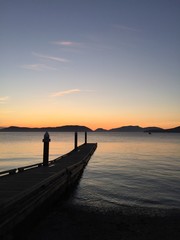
(133, 169)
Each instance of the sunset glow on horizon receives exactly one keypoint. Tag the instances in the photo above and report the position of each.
(101, 64)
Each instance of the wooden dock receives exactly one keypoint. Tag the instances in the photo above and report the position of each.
(25, 189)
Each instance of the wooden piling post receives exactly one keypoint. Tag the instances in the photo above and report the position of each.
(85, 135)
(46, 141)
(75, 141)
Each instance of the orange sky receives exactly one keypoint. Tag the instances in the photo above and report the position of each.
(61, 66)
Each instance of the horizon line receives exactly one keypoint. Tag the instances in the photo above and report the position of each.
(76, 125)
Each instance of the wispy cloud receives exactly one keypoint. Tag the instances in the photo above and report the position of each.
(52, 58)
(62, 93)
(4, 99)
(125, 28)
(66, 43)
(37, 67)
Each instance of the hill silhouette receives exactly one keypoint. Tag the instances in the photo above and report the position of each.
(79, 128)
(101, 130)
(176, 130)
(127, 129)
(67, 128)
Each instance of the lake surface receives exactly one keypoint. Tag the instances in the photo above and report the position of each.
(130, 169)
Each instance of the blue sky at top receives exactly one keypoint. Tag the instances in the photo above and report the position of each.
(121, 58)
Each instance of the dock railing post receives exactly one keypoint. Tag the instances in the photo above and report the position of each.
(85, 135)
(46, 141)
(75, 141)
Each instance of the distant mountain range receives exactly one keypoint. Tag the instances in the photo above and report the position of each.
(77, 128)
(146, 129)
(67, 128)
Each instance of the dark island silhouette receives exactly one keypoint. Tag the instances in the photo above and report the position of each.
(66, 128)
(79, 128)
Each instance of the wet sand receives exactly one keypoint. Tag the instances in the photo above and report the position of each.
(71, 222)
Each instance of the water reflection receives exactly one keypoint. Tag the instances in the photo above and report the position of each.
(127, 168)
(20, 149)
(134, 171)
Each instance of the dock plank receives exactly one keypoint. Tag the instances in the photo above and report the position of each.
(26, 190)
